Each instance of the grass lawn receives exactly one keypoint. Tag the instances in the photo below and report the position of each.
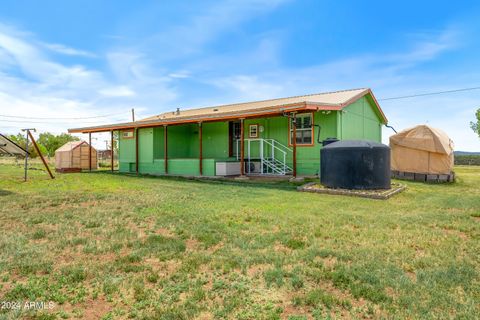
(116, 246)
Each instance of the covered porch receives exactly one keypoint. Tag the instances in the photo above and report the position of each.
(221, 148)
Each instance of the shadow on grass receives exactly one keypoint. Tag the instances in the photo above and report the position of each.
(253, 183)
(5, 192)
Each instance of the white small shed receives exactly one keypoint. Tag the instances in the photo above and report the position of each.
(73, 157)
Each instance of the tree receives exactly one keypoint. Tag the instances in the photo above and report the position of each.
(21, 140)
(476, 125)
(53, 142)
(47, 142)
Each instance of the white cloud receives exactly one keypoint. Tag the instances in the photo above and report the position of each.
(249, 86)
(35, 86)
(389, 74)
(180, 74)
(59, 48)
(118, 91)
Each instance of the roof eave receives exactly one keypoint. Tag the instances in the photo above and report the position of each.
(362, 94)
(209, 118)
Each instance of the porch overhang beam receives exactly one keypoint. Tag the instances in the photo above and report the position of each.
(294, 144)
(200, 151)
(277, 111)
(136, 150)
(165, 148)
(111, 150)
(89, 151)
(242, 147)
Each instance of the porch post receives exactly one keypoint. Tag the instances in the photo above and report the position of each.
(165, 148)
(89, 151)
(242, 154)
(294, 144)
(136, 150)
(111, 147)
(200, 151)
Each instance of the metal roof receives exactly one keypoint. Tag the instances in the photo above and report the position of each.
(69, 146)
(336, 100)
(330, 98)
(8, 147)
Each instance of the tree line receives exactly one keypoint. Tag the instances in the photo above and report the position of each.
(47, 142)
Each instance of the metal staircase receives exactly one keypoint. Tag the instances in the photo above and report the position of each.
(265, 157)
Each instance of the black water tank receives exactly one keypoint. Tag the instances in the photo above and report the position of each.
(328, 141)
(355, 164)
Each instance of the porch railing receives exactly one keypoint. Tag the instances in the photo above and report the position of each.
(272, 155)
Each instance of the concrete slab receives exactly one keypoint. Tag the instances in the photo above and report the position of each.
(241, 178)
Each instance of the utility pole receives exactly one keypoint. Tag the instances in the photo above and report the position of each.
(133, 115)
(26, 150)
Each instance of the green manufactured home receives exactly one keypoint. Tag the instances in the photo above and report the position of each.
(254, 138)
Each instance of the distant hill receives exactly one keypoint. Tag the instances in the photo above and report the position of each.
(466, 153)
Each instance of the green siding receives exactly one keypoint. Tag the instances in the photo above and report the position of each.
(360, 120)
(308, 157)
(215, 140)
(126, 150)
(183, 148)
(158, 142)
(145, 145)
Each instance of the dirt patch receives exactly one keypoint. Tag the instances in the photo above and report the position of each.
(462, 235)
(344, 295)
(419, 253)
(279, 247)
(412, 276)
(256, 269)
(91, 309)
(328, 262)
(209, 285)
(290, 310)
(6, 287)
(215, 248)
(390, 292)
(164, 232)
(163, 268)
(192, 244)
(96, 309)
(205, 315)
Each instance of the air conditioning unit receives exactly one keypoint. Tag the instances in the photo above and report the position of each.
(225, 168)
(253, 167)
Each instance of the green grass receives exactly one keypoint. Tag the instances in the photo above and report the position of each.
(162, 248)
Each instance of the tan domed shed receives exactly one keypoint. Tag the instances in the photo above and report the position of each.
(73, 157)
(422, 149)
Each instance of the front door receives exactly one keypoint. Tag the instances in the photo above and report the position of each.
(234, 131)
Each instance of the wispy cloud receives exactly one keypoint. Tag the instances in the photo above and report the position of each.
(119, 91)
(33, 84)
(59, 48)
(191, 36)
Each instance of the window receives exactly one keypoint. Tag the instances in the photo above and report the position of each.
(127, 134)
(253, 131)
(304, 130)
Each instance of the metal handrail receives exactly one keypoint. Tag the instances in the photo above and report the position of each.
(274, 145)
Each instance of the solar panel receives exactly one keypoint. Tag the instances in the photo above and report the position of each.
(8, 147)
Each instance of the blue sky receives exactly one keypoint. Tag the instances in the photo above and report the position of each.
(75, 59)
